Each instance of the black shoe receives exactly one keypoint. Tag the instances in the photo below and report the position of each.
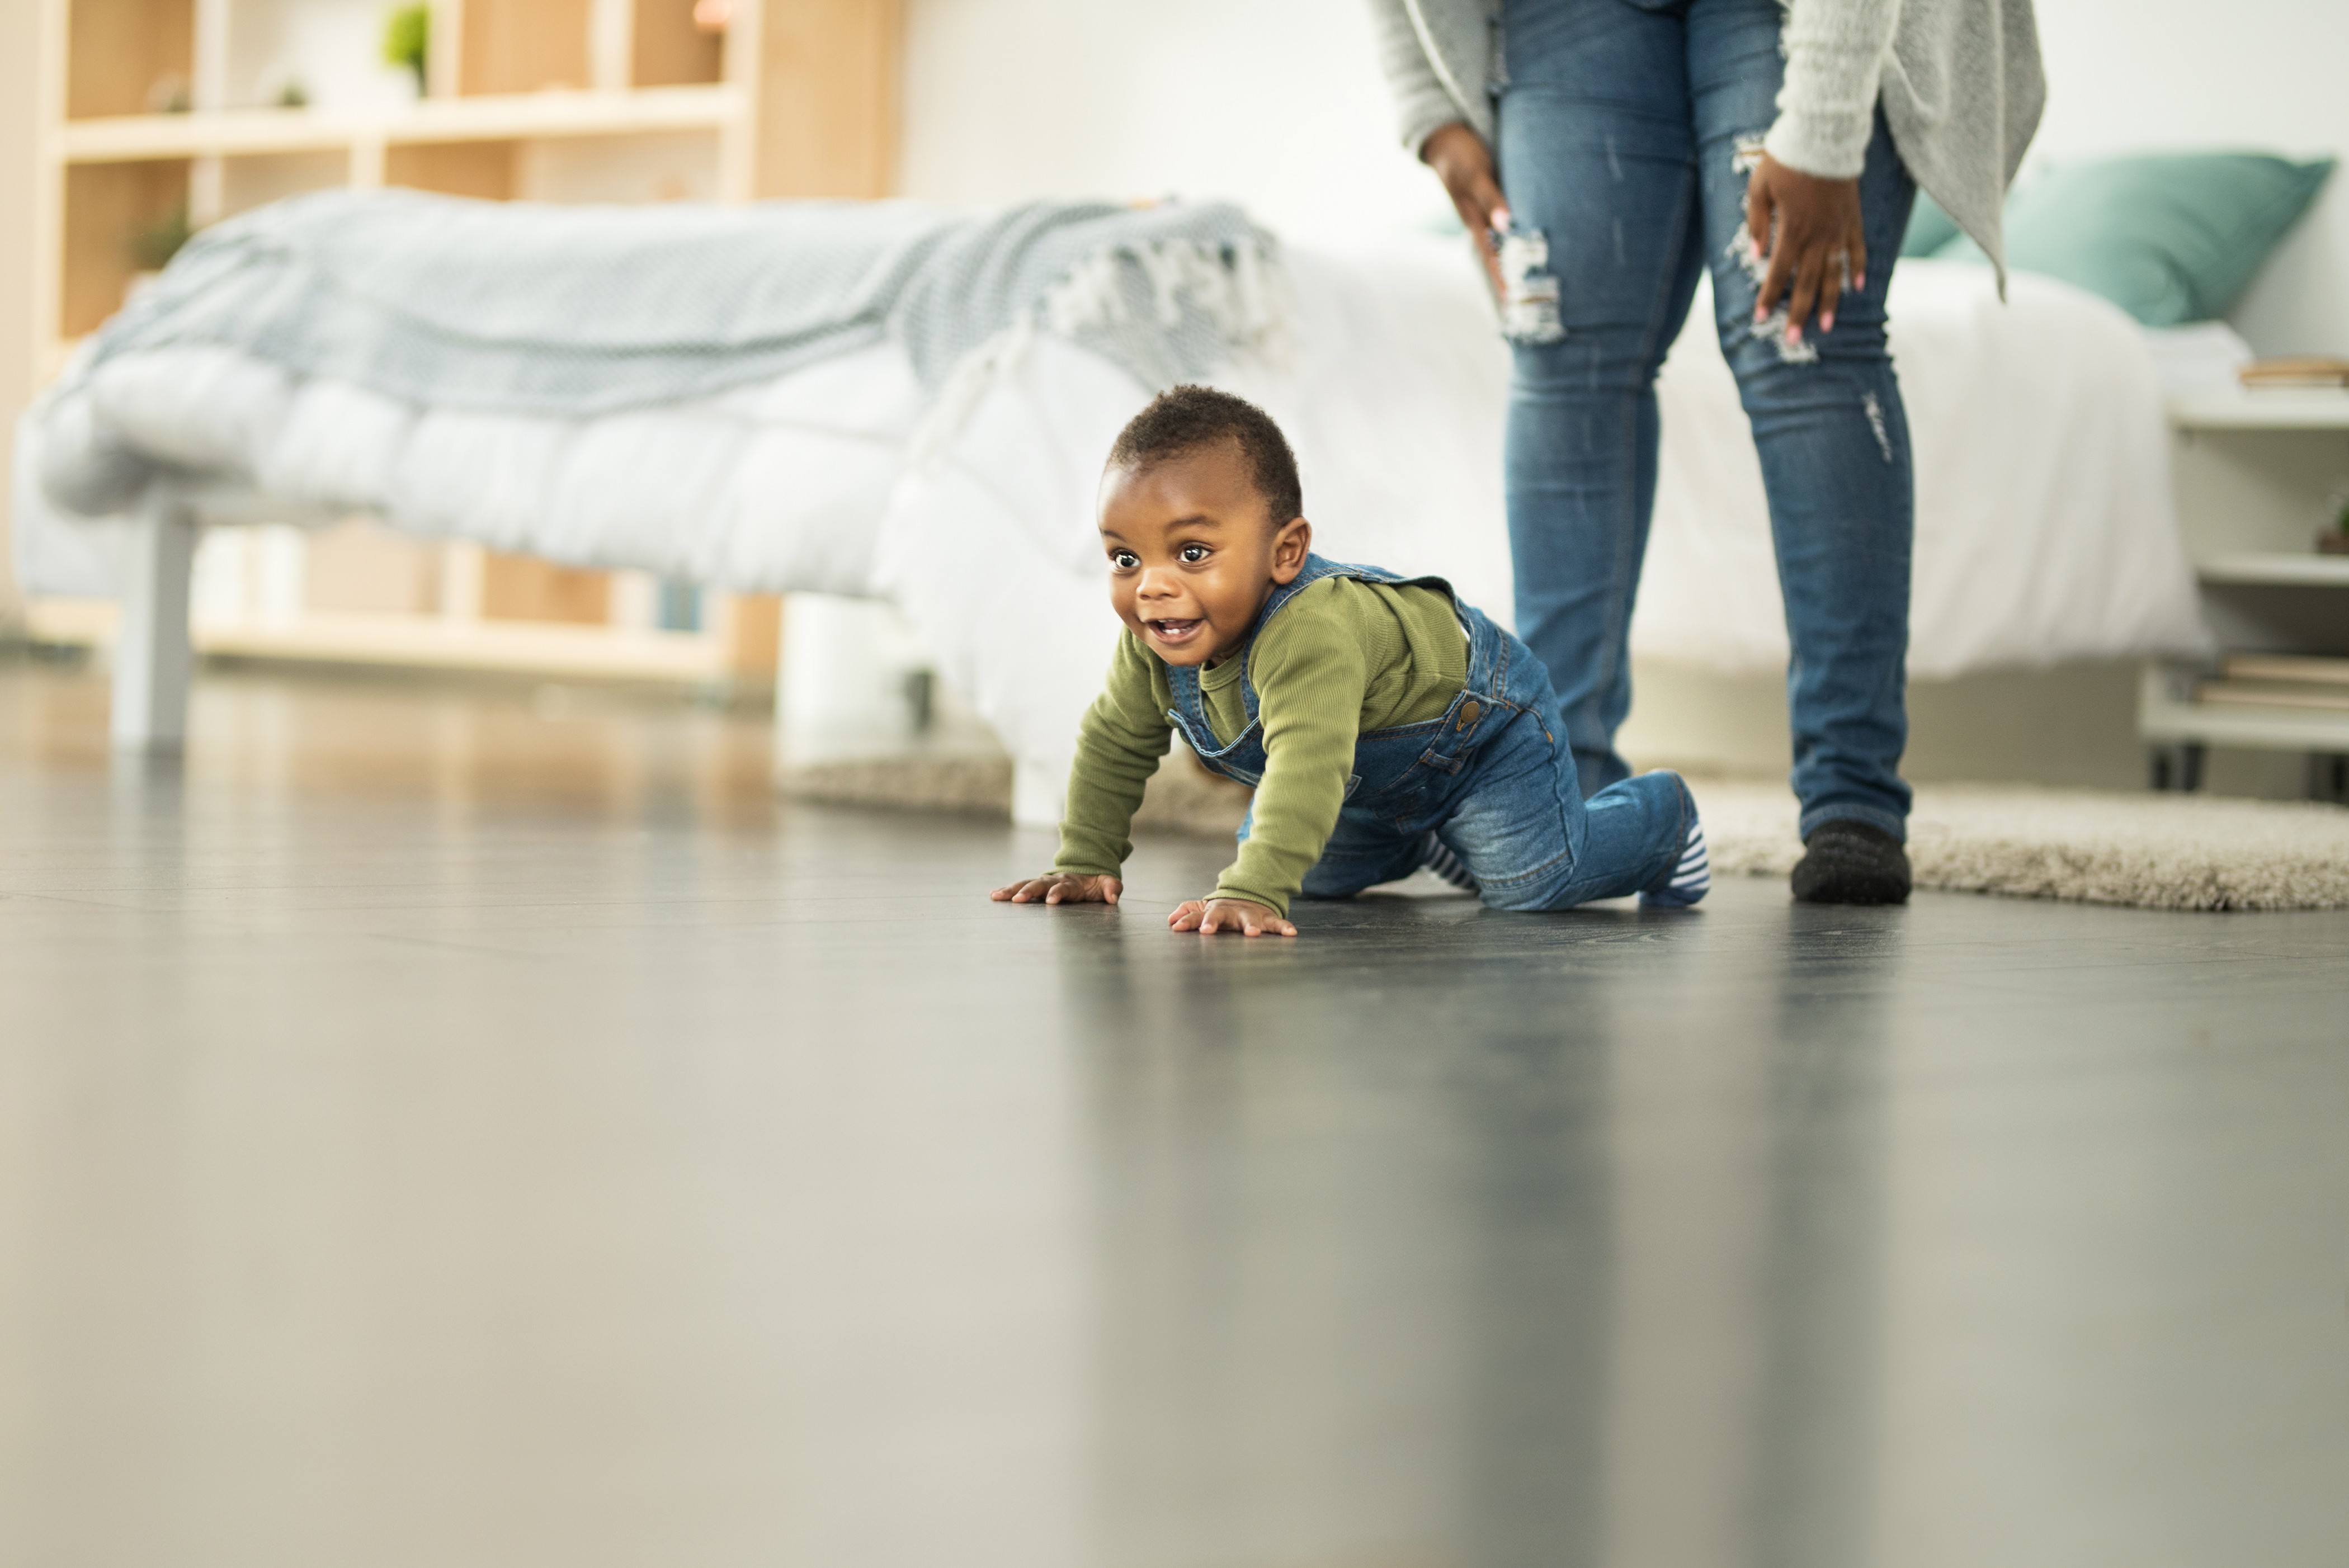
(1847, 862)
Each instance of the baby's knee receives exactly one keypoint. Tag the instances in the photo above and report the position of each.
(1551, 887)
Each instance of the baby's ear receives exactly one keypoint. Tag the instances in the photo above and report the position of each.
(1290, 545)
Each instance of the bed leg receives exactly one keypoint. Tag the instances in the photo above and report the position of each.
(2328, 777)
(2175, 768)
(2189, 767)
(152, 654)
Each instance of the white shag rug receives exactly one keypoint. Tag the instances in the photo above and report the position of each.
(2153, 851)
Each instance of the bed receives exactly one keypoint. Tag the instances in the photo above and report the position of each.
(2046, 530)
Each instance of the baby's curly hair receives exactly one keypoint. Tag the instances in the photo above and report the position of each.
(1183, 419)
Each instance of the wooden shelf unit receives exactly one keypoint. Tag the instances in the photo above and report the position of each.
(156, 113)
(2256, 473)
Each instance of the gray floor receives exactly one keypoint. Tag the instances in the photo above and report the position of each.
(462, 1127)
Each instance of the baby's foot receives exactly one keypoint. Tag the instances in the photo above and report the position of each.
(1437, 856)
(1691, 877)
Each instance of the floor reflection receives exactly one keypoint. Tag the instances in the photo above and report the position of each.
(1508, 1283)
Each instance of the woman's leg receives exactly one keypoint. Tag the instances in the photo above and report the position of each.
(1833, 438)
(1597, 158)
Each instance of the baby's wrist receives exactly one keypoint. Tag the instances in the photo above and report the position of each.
(1224, 896)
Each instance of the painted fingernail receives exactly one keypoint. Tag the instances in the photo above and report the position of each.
(1827, 322)
(1793, 333)
(1759, 313)
(1860, 282)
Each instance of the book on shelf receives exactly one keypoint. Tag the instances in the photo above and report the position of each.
(2292, 667)
(2297, 373)
(2273, 694)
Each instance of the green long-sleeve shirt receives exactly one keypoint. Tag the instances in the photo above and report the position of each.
(1342, 657)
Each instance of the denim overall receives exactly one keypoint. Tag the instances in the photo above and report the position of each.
(1492, 778)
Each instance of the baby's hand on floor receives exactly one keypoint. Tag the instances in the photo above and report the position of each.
(1209, 915)
(1060, 887)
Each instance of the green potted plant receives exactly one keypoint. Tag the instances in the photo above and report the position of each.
(407, 37)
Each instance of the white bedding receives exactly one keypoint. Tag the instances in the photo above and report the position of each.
(2045, 531)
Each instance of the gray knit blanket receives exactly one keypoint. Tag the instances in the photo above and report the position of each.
(571, 312)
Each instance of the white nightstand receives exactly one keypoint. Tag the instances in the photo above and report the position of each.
(2254, 473)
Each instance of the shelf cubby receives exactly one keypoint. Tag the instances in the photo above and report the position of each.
(255, 180)
(671, 49)
(524, 588)
(653, 165)
(129, 56)
(111, 210)
(524, 45)
(363, 568)
(478, 168)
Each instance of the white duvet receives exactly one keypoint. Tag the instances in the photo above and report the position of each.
(2045, 531)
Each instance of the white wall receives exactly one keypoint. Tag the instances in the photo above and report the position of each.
(1275, 103)
(2263, 75)
(1280, 104)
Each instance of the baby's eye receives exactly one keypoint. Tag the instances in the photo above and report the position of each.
(1194, 554)
(1124, 560)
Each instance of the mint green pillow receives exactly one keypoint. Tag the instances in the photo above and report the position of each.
(1929, 228)
(2169, 238)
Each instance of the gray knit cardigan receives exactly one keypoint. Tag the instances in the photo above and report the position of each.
(1959, 81)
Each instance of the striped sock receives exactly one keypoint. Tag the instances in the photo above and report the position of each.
(1690, 879)
(1437, 856)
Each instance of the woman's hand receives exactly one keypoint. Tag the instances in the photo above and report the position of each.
(1464, 164)
(1060, 887)
(1209, 915)
(1819, 241)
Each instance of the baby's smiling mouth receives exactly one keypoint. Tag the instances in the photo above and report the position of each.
(1174, 631)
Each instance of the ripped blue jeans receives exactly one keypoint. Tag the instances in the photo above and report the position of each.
(1626, 131)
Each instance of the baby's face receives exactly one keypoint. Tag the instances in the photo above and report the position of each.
(1192, 554)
